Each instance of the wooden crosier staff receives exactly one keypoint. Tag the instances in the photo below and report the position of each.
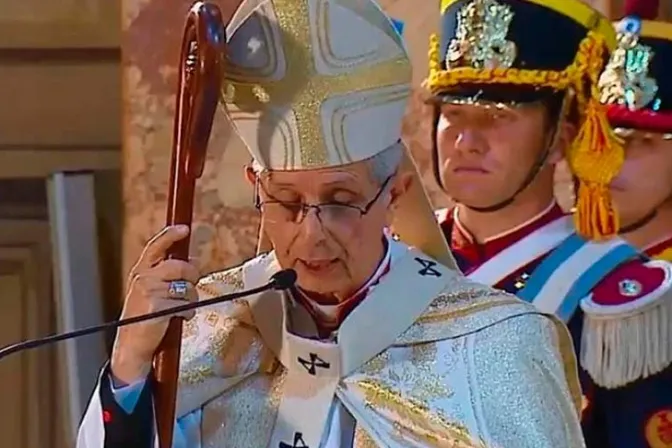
(198, 92)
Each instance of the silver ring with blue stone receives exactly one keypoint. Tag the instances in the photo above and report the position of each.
(177, 289)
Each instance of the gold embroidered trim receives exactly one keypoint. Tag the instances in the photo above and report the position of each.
(462, 303)
(415, 417)
(588, 59)
(566, 349)
(232, 279)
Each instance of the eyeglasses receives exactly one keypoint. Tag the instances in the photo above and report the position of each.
(337, 216)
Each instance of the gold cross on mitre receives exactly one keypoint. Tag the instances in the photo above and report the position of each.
(315, 83)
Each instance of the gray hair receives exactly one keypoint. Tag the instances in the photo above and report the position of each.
(381, 166)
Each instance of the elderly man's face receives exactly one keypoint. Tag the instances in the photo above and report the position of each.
(327, 224)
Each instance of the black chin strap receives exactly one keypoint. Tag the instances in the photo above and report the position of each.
(532, 174)
(639, 223)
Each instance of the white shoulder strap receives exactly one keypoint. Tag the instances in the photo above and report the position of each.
(521, 253)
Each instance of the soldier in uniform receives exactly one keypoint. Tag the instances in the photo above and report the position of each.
(635, 86)
(379, 344)
(514, 86)
(640, 110)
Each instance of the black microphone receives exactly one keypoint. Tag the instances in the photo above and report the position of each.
(281, 280)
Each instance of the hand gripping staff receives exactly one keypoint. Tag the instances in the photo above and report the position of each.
(198, 91)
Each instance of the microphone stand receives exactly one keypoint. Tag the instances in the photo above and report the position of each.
(281, 280)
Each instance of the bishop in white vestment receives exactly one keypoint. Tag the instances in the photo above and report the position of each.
(383, 342)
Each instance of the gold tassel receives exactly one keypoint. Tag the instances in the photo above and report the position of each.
(597, 154)
(596, 157)
(595, 216)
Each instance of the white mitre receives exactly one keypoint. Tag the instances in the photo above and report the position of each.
(311, 84)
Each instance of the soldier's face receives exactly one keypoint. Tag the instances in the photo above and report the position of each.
(645, 181)
(314, 222)
(485, 154)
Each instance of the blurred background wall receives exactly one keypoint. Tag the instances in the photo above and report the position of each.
(60, 119)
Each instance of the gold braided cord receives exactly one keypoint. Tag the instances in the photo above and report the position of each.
(591, 46)
(596, 154)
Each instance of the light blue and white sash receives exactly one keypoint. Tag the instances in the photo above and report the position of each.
(572, 269)
(523, 252)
